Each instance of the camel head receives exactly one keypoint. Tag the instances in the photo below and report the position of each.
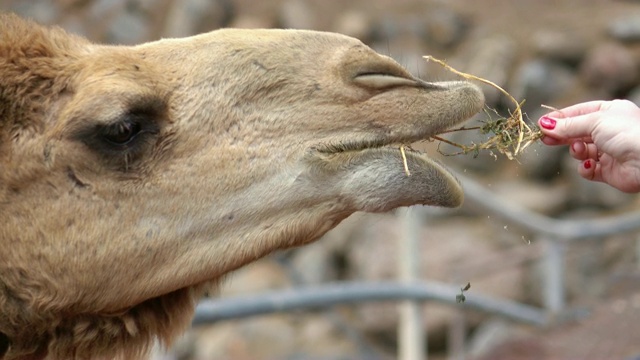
(130, 177)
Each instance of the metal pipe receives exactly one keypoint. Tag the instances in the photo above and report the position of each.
(554, 287)
(562, 230)
(209, 311)
(411, 332)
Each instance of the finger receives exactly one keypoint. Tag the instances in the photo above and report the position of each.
(577, 127)
(578, 150)
(548, 140)
(578, 109)
(581, 151)
(587, 169)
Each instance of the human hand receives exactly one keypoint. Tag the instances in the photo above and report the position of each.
(604, 136)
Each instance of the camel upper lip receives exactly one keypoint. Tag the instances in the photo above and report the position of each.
(352, 146)
(470, 96)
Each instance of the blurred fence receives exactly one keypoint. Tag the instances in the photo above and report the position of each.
(555, 235)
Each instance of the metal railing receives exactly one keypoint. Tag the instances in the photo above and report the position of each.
(308, 298)
(556, 235)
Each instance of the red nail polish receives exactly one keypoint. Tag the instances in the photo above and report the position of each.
(587, 164)
(547, 123)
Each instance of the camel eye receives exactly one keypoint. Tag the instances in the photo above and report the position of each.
(128, 135)
(124, 138)
(122, 133)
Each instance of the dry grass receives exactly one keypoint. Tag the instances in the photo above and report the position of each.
(508, 136)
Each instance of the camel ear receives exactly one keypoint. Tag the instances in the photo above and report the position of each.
(32, 59)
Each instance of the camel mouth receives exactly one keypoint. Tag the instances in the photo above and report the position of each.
(377, 142)
(374, 148)
(380, 174)
(378, 149)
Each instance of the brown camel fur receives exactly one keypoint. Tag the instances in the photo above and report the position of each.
(131, 178)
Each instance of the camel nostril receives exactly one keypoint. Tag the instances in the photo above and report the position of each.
(382, 81)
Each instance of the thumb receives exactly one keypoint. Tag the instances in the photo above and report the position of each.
(576, 127)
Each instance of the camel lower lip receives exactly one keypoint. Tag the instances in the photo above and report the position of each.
(397, 150)
(385, 177)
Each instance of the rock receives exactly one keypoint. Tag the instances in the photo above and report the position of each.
(634, 95)
(354, 23)
(314, 264)
(508, 344)
(181, 349)
(439, 26)
(369, 244)
(588, 263)
(541, 198)
(259, 276)
(560, 46)
(490, 58)
(585, 193)
(392, 28)
(490, 336)
(75, 25)
(296, 14)
(112, 21)
(102, 9)
(541, 82)
(190, 17)
(89, 19)
(625, 29)
(544, 164)
(43, 11)
(610, 68)
(320, 262)
(252, 22)
(404, 39)
(452, 250)
(445, 27)
(274, 337)
(128, 28)
(265, 337)
(320, 338)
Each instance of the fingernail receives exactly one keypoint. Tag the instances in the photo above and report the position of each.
(587, 164)
(547, 123)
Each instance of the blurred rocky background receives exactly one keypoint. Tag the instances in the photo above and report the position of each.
(553, 52)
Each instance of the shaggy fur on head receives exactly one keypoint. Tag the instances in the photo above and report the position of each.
(133, 178)
(37, 65)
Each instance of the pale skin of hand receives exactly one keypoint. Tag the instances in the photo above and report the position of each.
(604, 136)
